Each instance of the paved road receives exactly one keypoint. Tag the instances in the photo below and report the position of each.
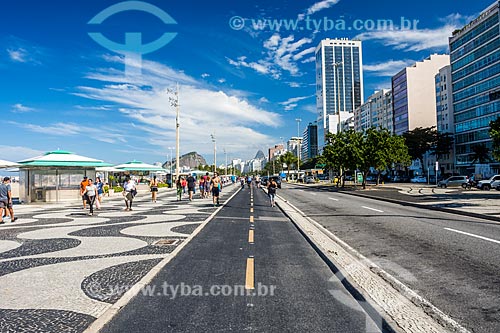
(293, 291)
(451, 260)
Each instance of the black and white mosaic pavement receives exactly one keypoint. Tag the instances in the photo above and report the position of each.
(60, 269)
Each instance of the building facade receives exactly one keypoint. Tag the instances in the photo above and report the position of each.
(276, 151)
(414, 94)
(375, 112)
(293, 145)
(444, 115)
(339, 82)
(310, 142)
(475, 79)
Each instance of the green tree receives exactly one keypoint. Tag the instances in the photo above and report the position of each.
(289, 159)
(481, 154)
(495, 136)
(443, 144)
(419, 141)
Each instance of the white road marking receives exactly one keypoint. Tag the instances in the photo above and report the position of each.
(314, 194)
(375, 210)
(333, 199)
(472, 235)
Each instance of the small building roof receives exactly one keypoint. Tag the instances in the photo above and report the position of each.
(62, 158)
(8, 164)
(138, 166)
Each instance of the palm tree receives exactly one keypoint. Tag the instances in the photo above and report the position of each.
(481, 154)
(288, 158)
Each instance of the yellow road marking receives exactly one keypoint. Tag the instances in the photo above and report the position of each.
(251, 218)
(250, 236)
(251, 210)
(249, 279)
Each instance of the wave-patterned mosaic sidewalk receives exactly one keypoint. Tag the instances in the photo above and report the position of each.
(60, 269)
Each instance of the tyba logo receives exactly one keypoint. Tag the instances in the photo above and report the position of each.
(133, 48)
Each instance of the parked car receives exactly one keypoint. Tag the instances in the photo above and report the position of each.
(400, 179)
(310, 180)
(453, 181)
(488, 184)
(264, 180)
(419, 179)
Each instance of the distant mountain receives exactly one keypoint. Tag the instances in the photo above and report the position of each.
(260, 155)
(191, 160)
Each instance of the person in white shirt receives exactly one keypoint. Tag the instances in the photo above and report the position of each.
(91, 193)
(129, 191)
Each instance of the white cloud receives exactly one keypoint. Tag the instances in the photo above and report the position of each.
(280, 55)
(203, 111)
(263, 100)
(295, 99)
(69, 129)
(310, 59)
(221, 80)
(388, 68)
(19, 108)
(418, 39)
(204, 75)
(291, 103)
(18, 153)
(318, 6)
(18, 55)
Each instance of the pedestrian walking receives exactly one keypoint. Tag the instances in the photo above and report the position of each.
(6, 200)
(91, 194)
(129, 192)
(83, 185)
(207, 185)
(271, 191)
(215, 187)
(191, 184)
(100, 192)
(153, 185)
(178, 185)
(184, 185)
(201, 184)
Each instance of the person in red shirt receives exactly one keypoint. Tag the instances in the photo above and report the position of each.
(83, 185)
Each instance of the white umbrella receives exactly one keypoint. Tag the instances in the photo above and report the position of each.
(7, 164)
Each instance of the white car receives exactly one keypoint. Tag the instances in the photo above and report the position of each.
(419, 179)
(488, 184)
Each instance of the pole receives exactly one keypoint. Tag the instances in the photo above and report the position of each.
(339, 128)
(298, 147)
(215, 152)
(177, 132)
(225, 153)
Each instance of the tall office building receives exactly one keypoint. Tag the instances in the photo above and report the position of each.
(444, 115)
(475, 73)
(414, 94)
(339, 83)
(310, 142)
(375, 112)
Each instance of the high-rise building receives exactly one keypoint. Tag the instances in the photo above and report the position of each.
(375, 112)
(276, 151)
(339, 82)
(444, 115)
(310, 142)
(293, 145)
(414, 94)
(475, 78)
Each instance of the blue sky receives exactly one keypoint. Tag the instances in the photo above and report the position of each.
(61, 89)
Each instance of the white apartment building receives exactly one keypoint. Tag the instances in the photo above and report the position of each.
(414, 94)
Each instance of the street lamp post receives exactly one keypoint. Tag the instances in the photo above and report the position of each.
(170, 163)
(337, 65)
(225, 153)
(174, 101)
(298, 120)
(215, 152)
